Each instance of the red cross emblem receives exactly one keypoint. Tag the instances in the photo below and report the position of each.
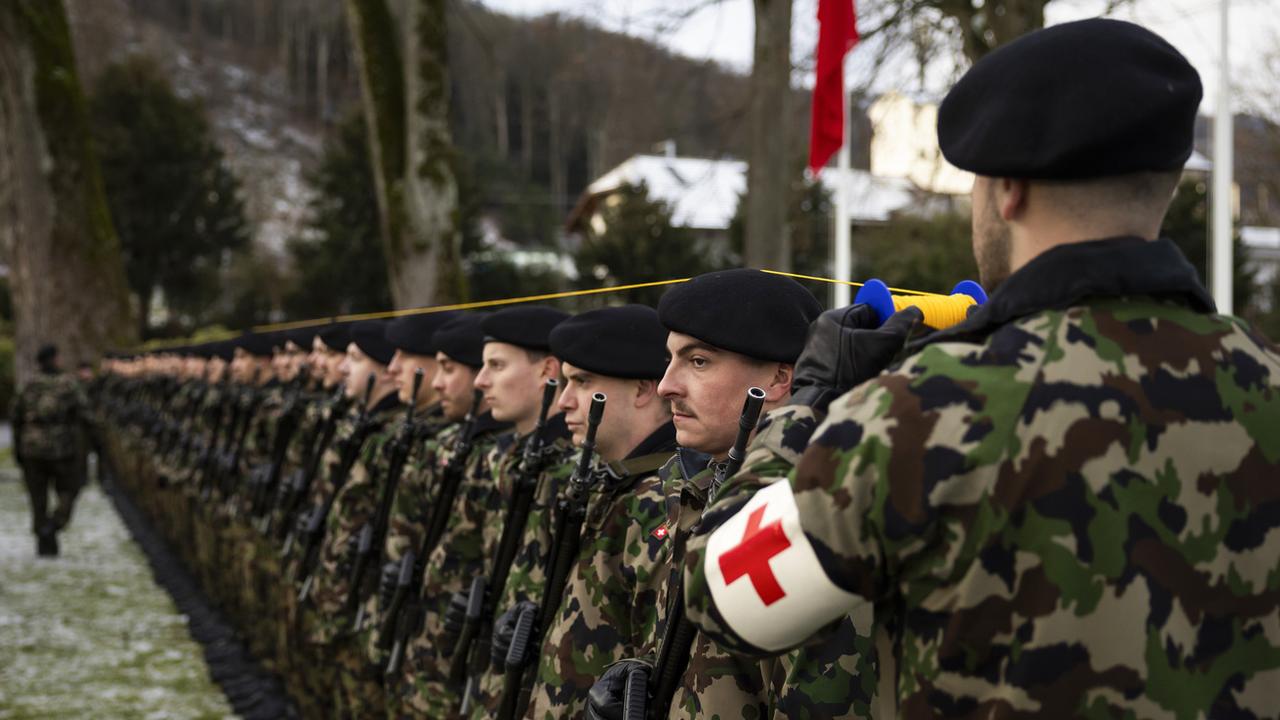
(751, 557)
(660, 532)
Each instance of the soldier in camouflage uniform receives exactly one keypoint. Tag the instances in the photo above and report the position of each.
(518, 364)
(318, 427)
(372, 486)
(609, 603)
(728, 331)
(458, 343)
(50, 418)
(1063, 506)
(352, 474)
(254, 376)
(273, 431)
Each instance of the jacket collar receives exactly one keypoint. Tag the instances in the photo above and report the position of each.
(1069, 274)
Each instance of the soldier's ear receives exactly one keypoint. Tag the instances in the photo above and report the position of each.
(551, 368)
(779, 387)
(646, 392)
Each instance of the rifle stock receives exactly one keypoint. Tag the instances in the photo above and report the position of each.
(523, 489)
(400, 623)
(316, 522)
(533, 623)
(373, 536)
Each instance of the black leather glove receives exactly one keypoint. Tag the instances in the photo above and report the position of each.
(505, 629)
(607, 699)
(455, 616)
(387, 583)
(846, 347)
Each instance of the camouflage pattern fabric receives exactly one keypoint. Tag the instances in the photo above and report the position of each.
(610, 607)
(354, 505)
(49, 415)
(527, 576)
(1059, 508)
(410, 510)
(423, 690)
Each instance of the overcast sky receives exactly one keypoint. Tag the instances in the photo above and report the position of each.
(723, 32)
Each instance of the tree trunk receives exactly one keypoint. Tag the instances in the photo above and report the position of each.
(768, 154)
(526, 124)
(428, 267)
(406, 108)
(500, 113)
(322, 76)
(260, 9)
(66, 273)
(285, 49)
(555, 150)
(195, 26)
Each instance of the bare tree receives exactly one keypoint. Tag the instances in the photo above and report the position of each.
(66, 273)
(406, 102)
(769, 165)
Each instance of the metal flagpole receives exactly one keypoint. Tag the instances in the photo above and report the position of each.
(843, 245)
(1220, 262)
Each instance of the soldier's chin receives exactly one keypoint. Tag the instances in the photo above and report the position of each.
(689, 437)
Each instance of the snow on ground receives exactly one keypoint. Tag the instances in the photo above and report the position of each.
(89, 634)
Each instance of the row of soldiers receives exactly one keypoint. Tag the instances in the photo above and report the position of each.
(1064, 505)
(476, 514)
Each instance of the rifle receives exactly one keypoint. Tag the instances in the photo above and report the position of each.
(678, 638)
(485, 593)
(230, 462)
(299, 481)
(532, 624)
(286, 425)
(337, 478)
(184, 440)
(225, 417)
(404, 615)
(372, 536)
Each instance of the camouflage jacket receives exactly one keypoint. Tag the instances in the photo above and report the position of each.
(354, 504)
(49, 418)
(526, 577)
(410, 512)
(458, 558)
(1059, 507)
(309, 442)
(609, 610)
(407, 514)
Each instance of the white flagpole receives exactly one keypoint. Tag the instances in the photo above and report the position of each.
(1220, 261)
(843, 245)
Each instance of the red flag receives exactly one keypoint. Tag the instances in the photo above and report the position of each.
(837, 34)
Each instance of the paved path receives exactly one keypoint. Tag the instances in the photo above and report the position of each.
(90, 634)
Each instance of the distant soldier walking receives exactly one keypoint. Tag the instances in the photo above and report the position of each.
(49, 419)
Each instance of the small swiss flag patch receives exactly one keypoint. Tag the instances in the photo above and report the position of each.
(660, 532)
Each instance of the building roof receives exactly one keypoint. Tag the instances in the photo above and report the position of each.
(703, 193)
(1260, 238)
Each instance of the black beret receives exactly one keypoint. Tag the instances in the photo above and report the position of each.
(336, 336)
(462, 339)
(622, 342)
(412, 333)
(528, 326)
(370, 336)
(1087, 99)
(302, 336)
(259, 344)
(750, 312)
(225, 349)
